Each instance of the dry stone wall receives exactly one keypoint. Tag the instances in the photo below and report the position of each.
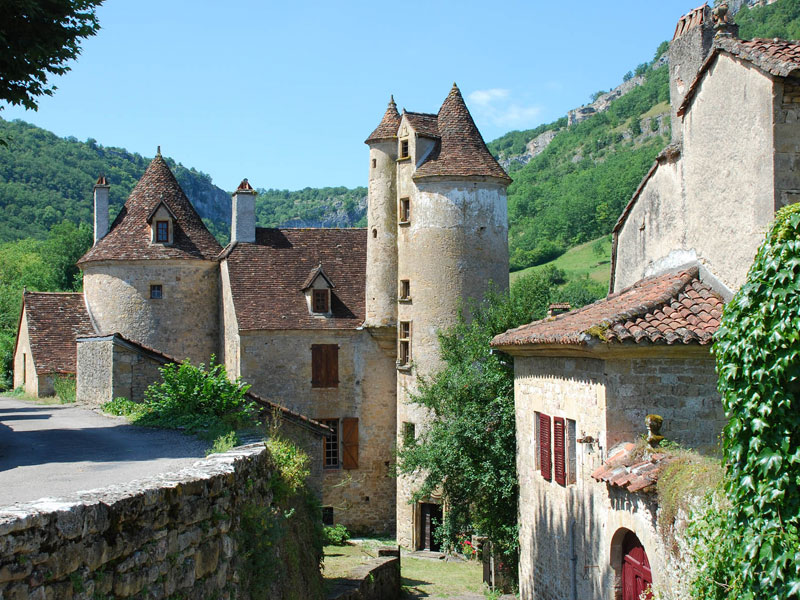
(173, 535)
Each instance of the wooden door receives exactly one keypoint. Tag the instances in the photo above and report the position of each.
(636, 575)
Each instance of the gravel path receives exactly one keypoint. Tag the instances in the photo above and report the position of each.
(54, 450)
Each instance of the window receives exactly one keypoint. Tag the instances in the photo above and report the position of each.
(156, 292)
(405, 289)
(327, 515)
(404, 350)
(330, 445)
(405, 210)
(403, 148)
(162, 231)
(543, 432)
(321, 304)
(374, 163)
(350, 443)
(409, 433)
(374, 233)
(324, 366)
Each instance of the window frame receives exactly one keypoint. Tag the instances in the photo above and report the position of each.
(405, 290)
(404, 152)
(325, 295)
(331, 443)
(165, 224)
(156, 291)
(404, 344)
(404, 211)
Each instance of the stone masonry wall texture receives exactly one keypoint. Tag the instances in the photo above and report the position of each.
(168, 536)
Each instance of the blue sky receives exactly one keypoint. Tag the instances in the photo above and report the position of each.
(285, 93)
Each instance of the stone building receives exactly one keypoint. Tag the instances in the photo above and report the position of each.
(330, 326)
(585, 381)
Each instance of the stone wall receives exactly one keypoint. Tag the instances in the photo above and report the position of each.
(363, 499)
(571, 534)
(171, 535)
(25, 375)
(377, 579)
(183, 323)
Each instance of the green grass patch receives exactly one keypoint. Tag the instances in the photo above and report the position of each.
(440, 579)
(592, 260)
(64, 386)
(659, 109)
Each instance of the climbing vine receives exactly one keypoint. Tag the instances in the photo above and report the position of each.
(758, 363)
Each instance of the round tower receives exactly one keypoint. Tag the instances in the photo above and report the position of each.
(381, 284)
(153, 277)
(452, 242)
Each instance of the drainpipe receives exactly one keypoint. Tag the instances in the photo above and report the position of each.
(573, 559)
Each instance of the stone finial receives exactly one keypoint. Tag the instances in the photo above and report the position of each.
(653, 424)
(721, 18)
(392, 103)
(158, 151)
(245, 186)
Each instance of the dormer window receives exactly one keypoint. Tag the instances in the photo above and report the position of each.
(318, 290)
(162, 232)
(403, 148)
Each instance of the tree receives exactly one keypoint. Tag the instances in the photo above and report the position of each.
(467, 452)
(39, 38)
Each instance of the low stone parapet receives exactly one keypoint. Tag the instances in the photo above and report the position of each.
(377, 579)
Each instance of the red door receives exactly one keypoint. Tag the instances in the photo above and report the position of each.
(636, 575)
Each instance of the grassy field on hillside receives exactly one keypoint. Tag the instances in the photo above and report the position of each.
(592, 260)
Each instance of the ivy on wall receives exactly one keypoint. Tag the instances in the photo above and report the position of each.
(758, 362)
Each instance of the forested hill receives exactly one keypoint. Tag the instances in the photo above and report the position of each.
(571, 182)
(45, 179)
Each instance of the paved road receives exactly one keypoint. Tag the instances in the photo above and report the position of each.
(53, 450)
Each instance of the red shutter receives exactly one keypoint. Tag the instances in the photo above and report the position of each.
(317, 365)
(558, 451)
(544, 446)
(350, 443)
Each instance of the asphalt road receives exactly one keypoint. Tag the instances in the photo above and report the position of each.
(54, 450)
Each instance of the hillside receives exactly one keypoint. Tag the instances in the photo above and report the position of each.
(572, 177)
(45, 179)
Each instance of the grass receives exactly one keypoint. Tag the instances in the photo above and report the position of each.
(659, 109)
(422, 578)
(581, 261)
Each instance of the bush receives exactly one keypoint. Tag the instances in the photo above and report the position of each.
(64, 386)
(335, 535)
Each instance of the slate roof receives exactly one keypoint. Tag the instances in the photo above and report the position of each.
(129, 237)
(461, 151)
(673, 308)
(55, 320)
(775, 56)
(634, 473)
(387, 128)
(267, 277)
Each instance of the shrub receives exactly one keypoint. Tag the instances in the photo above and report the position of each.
(335, 535)
(64, 386)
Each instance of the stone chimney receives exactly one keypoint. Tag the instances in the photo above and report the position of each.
(101, 189)
(243, 214)
(690, 46)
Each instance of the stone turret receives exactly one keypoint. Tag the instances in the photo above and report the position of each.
(381, 292)
(688, 50)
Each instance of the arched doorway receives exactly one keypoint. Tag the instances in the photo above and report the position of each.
(636, 575)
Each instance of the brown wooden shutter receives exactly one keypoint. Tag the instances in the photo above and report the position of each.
(317, 365)
(544, 446)
(350, 443)
(558, 451)
(331, 365)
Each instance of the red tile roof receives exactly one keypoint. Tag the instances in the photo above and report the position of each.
(461, 151)
(692, 19)
(672, 308)
(387, 128)
(635, 473)
(425, 124)
(267, 277)
(776, 57)
(129, 237)
(55, 320)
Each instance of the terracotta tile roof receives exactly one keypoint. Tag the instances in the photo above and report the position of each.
(692, 19)
(129, 237)
(776, 57)
(55, 320)
(672, 308)
(461, 151)
(267, 277)
(425, 124)
(245, 186)
(387, 128)
(634, 473)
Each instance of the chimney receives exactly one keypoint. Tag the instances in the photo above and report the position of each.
(558, 308)
(690, 46)
(101, 189)
(243, 214)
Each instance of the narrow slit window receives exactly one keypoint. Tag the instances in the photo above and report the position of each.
(156, 292)
(374, 163)
(404, 349)
(405, 289)
(162, 231)
(405, 210)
